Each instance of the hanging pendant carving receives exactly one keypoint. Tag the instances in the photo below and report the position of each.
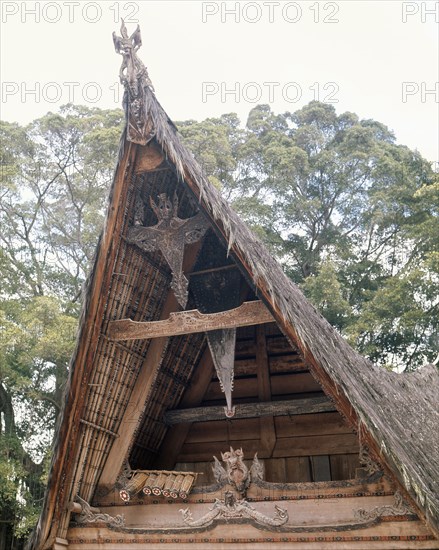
(222, 348)
(169, 235)
(215, 292)
(232, 509)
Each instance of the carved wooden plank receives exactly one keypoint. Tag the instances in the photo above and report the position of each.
(251, 410)
(188, 322)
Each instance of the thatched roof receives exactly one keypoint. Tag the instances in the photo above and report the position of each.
(396, 415)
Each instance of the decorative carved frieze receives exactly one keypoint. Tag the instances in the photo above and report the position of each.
(232, 509)
(169, 235)
(190, 322)
(87, 515)
(399, 508)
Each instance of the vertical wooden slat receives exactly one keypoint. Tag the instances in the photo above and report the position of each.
(321, 469)
(298, 469)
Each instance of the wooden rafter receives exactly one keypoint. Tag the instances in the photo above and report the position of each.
(188, 322)
(145, 380)
(252, 410)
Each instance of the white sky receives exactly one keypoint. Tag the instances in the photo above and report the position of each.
(364, 56)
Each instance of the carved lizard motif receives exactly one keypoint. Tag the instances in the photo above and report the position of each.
(87, 516)
(398, 508)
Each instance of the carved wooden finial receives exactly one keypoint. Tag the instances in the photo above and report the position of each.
(134, 77)
(132, 71)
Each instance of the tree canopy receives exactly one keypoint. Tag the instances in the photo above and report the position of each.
(351, 215)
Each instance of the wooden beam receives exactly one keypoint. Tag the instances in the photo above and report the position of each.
(252, 410)
(189, 322)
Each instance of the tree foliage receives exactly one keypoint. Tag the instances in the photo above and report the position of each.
(351, 215)
(55, 178)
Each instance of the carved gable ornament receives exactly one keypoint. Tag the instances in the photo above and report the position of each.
(134, 77)
(169, 235)
(236, 473)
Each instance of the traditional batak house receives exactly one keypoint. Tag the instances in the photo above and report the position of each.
(209, 405)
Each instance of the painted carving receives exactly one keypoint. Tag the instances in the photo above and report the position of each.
(232, 509)
(236, 473)
(88, 516)
(169, 235)
(134, 76)
(398, 508)
(256, 470)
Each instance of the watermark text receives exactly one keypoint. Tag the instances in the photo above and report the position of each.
(423, 11)
(421, 91)
(56, 92)
(54, 12)
(271, 12)
(268, 92)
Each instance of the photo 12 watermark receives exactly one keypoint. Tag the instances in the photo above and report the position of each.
(60, 92)
(269, 12)
(68, 12)
(420, 91)
(269, 92)
(420, 11)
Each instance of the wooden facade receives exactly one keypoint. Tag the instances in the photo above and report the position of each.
(209, 404)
